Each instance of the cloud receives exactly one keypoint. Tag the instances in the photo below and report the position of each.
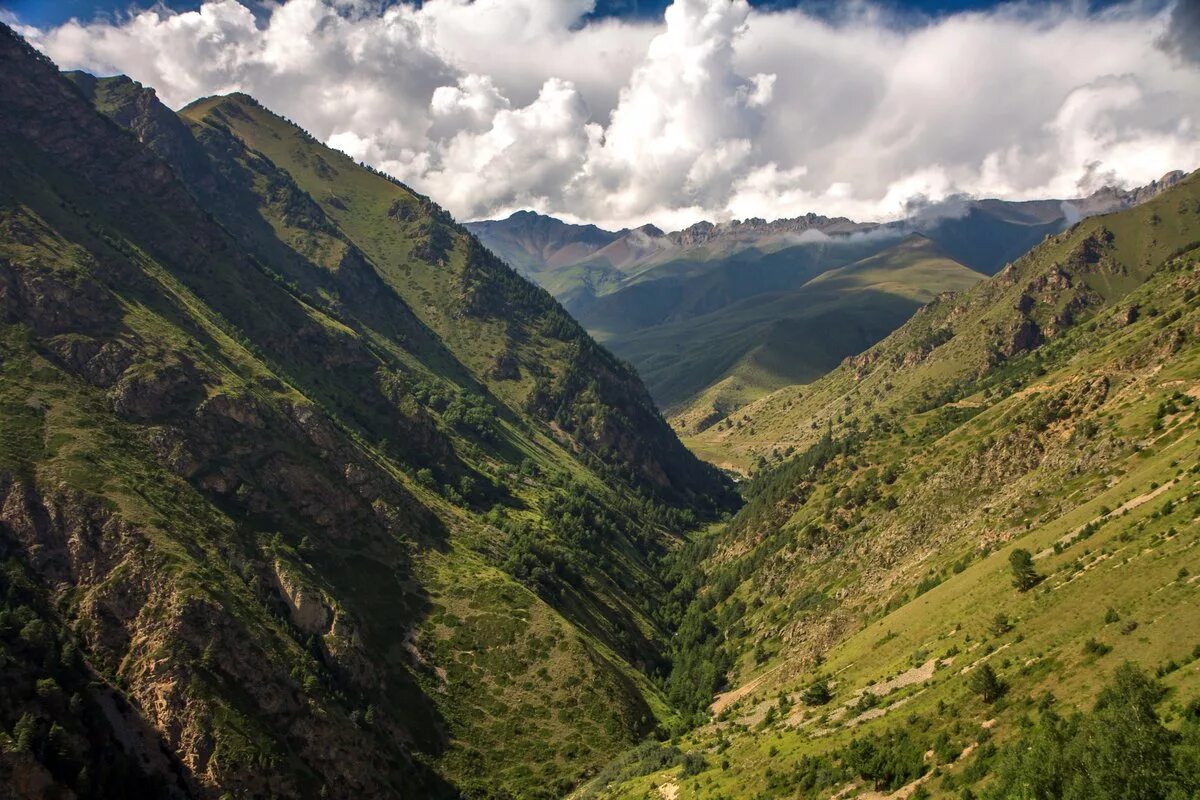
(1182, 36)
(717, 110)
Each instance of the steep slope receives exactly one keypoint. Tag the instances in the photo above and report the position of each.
(704, 367)
(306, 492)
(959, 536)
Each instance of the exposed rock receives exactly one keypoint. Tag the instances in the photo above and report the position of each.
(54, 301)
(155, 391)
(307, 607)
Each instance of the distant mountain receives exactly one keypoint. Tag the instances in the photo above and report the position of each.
(534, 243)
(647, 293)
(706, 366)
(578, 263)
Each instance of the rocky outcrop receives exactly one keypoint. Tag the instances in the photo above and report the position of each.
(307, 606)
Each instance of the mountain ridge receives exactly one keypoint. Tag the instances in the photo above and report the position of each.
(308, 486)
(636, 291)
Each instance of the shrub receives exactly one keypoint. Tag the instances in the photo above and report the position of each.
(889, 761)
(693, 764)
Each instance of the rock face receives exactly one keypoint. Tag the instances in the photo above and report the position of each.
(306, 606)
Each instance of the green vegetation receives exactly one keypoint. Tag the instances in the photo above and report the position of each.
(1120, 749)
(300, 487)
(966, 530)
(1025, 577)
(324, 493)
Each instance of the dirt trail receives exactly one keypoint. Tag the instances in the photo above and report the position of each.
(907, 678)
(669, 791)
(726, 699)
(977, 662)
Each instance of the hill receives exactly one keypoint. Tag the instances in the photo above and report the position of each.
(955, 540)
(302, 491)
(717, 362)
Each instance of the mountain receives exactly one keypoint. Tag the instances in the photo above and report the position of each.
(967, 563)
(303, 492)
(546, 249)
(646, 293)
(718, 362)
(578, 263)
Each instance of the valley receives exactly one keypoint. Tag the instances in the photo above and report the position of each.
(866, 605)
(308, 490)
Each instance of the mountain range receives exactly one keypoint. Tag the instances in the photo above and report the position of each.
(716, 315)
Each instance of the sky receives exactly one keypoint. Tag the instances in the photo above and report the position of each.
(622, 112)
(44, 13)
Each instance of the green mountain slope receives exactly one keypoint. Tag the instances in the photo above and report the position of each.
(958, 538)
(302, 492)
(704, 367)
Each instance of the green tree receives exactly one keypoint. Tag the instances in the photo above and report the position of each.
(1025, 577)
(1123, 751)
(25, 732)
(818, 694)
(1120, 751)
(889, 761)
(985, 683)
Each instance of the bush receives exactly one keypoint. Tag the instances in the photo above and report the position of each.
(693, 764)
(889, 761)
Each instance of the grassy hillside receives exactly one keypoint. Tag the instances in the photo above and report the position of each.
(955, 540)
(302, 492)
(703, 367)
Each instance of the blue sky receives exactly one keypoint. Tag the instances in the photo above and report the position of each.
(44, 13)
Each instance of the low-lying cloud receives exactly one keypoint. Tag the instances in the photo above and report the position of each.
(716, 111)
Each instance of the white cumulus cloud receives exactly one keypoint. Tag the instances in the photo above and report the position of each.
(718, 110)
